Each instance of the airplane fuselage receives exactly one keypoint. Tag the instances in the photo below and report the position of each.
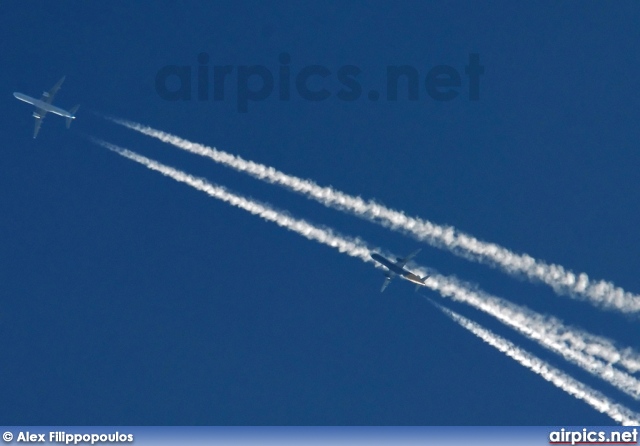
(391, 266)
(41, 105)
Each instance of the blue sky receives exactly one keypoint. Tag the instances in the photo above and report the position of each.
(127, 298)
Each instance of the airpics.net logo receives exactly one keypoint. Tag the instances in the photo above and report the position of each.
(314, 83)
(589, 436)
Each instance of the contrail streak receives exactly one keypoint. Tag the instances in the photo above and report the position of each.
(550, 333)
(353, 247)
(555, 376)
(600, 293)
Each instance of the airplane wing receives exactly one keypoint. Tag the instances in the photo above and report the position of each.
(48, 96)
(37, 127)
(403, 262)
(386, 283)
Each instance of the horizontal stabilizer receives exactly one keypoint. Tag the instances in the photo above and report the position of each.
(73, 114)
(419, 285)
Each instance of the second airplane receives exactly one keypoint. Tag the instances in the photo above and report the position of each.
(397, 268)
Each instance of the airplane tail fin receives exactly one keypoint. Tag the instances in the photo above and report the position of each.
(73, 113)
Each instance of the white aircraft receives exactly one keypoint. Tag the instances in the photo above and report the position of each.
(43, 106)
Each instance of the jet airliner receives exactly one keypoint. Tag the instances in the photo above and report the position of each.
(397, 268)
(43, 106)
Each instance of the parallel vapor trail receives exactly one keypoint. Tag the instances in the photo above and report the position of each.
(600, 293)
(558, 378)
(353, 247)
(550, 334)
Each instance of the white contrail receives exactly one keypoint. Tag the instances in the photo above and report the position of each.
(601, 293)
(549, 332)
(555, 376)
(353, 247)
(572, 344)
